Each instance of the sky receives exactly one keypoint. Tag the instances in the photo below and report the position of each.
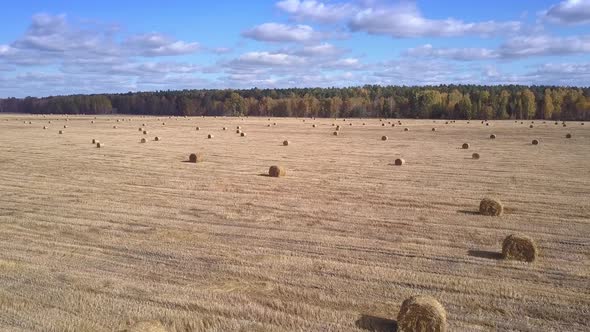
(82, 47)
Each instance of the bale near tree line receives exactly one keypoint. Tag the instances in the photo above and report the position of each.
(519, 247)
(422, 314)
(490, 207)
(277, 171)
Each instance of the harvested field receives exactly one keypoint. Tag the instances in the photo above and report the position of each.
(99, 239)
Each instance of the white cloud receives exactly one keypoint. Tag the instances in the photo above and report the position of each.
(316, 11)
(276, 32)
(324, 49)
(515, 47)
(527, 46)
(269, 59)
(405, 21)
(156, 44)
(568, 12)
(462, 54)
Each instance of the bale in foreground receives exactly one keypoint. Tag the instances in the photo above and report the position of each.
(422, 314)
(285, 143)
(490, 207)
(196, 157)
(399, 162)
(519, 247)
(465, 146)
(475, 155)
(276, 171)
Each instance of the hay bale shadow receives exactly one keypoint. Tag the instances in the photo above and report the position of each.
(264, 174)
(472, 213)
(485, 254)
(376, 324)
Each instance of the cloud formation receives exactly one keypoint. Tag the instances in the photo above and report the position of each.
(276, 32)
(569, 12)
(406, 21)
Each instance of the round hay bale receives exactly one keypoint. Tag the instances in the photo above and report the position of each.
(487, 124)
(238, 131)
(145, 132)
(147, 326)
(92, 121)
(65, 126)
(421, 314)
(582, 123)
(196, 157)
(94, 141)
(238, 127)
(363, 123)
(465, 146)
(243, 134)
(224, 128)
(276, 171)
(393, 124)
(337, 127)
(99, 145)
(209, 136)
(399, 162)
(143, 124)
(535, 142)
(406, 129)
(520, 248)
(114, 127)
(447, 122)
(44, 127)
(163, 123)
(274, 123)
(492, 136)
(61, 132)
(491, 207)
(564, 125)
(568, 135)
(475, 156)
(268, 125)
(140, 129)
(433, 129)
(314, 126)
(143, 140)
(531, 126)
(384, 138)
(333, 124)
(383, 125)
(285, 143)
(156, 138)
(335, 133)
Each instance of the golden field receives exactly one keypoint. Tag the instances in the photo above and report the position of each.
(96, 239)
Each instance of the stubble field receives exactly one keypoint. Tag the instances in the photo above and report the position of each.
(97, 239)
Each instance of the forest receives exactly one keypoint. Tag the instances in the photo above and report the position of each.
(436, 102)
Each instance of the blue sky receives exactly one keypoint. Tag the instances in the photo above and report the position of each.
(70, 47)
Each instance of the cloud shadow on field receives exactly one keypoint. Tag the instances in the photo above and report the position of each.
(485, 254)
(376, 324)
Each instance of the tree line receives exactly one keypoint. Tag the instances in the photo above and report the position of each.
(437, 102)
